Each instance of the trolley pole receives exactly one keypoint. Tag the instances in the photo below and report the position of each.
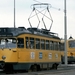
(65, 33)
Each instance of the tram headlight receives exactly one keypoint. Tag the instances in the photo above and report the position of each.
(3, 57)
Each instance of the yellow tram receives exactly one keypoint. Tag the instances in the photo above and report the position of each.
(70, 50)
(28, 49)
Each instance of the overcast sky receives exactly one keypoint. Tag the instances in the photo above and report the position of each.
(23, 10)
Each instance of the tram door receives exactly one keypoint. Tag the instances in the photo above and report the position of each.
(21, 50)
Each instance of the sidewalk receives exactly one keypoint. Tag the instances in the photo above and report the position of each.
(62, 66)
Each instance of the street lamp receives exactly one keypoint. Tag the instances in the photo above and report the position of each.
(65, 32)
(14, 13)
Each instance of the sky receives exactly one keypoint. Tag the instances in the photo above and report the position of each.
(24, 9)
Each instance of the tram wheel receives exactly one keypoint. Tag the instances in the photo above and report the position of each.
(8, 68)
(54, 66)
(38, 68)
(34, 68)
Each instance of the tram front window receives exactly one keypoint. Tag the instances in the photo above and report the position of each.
(72, 44)
(8, 43)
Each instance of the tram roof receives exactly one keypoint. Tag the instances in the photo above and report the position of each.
(8, 32)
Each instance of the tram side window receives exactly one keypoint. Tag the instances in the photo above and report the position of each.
(32, 46)
(37, 43)
(58, 46)
(55, 45)
(47, 44)
(42, 44)
(27, 43)
(20, 42)
(51, 45)
(61, 46)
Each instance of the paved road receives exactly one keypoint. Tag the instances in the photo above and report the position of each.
(62, 70)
